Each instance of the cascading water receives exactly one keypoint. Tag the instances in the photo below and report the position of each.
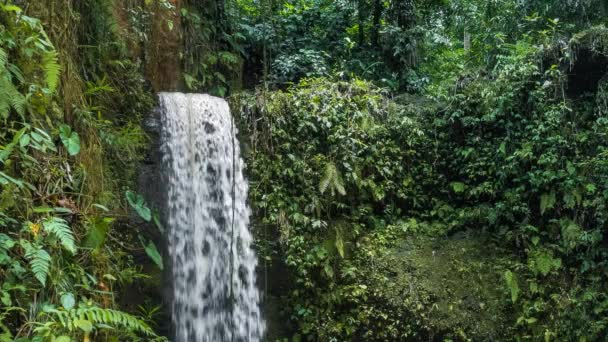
(215, 297)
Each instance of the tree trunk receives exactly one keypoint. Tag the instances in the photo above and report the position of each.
(361, 17)
(376, 22)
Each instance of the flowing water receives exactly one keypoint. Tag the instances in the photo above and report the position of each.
(215, 297)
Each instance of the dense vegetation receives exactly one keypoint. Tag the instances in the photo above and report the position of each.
(471, 207)
(419, 169)
(71, 142)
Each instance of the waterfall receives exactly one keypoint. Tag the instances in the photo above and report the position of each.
(215, 297)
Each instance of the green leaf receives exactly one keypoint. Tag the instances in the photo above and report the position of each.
(458, 187)
(5, 298)
(46, 210)
(24, 141)
(11, 8)
(101, 207)
(153, 253)
(40, 260)
(218, 91)
(52, 68)
(63, 338)
(511, 280)
(98, 230)
(535, 240)
(70, 139)
(572, 234)
(59, 227)
(543, 262)
(332, 180)
(547, 201)
(339, 243)
(190, 81)
(68, 301)
(156, 220)
(136, 201)
(329, 271)
(6, 179)
(84, 325)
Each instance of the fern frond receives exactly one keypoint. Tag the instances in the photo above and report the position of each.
(3, 58)
(17, 100)
(39, 259)
(115, 318)
(10, 97)
(16, 72)
(332, 180)
(330, 169)
(339, 183)
(51, 67)
(62, 231)
(6, 243)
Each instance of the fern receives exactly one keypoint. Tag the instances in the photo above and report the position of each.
(62, 231)
(51, 68)
(6, 243)
(10, 96)
(102, 318)
(332, 180)
(3, 58)
(117, 318)
(39, 259)
(16, 99)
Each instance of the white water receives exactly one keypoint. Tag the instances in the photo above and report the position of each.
(215, 297)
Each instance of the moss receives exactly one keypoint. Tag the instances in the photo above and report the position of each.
(594, 39)
(453, 286)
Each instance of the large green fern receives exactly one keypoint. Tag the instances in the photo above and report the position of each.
(101, 318)
(59, 227)
(117, 318)
(39, 259)
(332, 180)
(51, 68)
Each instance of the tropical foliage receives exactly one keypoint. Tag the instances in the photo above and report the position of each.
(420, 170)
(61, 263)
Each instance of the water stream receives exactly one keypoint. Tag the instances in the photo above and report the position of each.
(215, 297)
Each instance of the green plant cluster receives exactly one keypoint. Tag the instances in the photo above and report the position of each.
(525, 152)
(331, 165)
(212, 52)
(342, 177)
(285, 41)
(69, 146)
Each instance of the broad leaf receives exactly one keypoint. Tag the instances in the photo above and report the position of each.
(98, 230)
(68, 301)
(136, 201)
(70, 139)
(153, 253)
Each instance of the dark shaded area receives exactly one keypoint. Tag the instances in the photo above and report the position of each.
(585, 74)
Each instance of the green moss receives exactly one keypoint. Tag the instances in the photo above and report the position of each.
(449, 286)
(594, 39)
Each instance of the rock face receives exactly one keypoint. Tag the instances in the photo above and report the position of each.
(151, 185)
(150, 179)
(163, 66)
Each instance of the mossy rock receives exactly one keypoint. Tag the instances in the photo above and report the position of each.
(454, 286)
